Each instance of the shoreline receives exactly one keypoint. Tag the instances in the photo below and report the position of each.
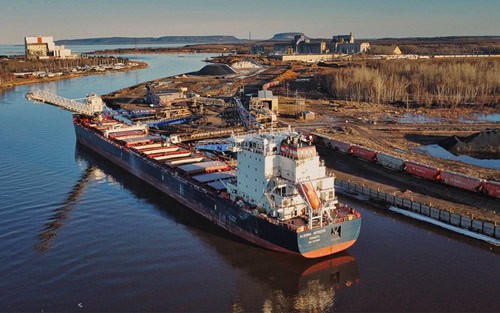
(36, 80)
(196, 48)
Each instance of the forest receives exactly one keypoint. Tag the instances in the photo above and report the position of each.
(446, 83)
(478, 45)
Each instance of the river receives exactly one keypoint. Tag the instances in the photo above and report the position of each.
(79, 234)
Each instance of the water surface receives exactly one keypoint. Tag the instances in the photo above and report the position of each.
(440, 152)
(79, 234)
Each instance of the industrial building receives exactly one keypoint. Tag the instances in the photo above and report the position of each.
(343, 38)
(306, 115)
(345, 44)
(267, 99)
(313, 47)
(351, 48)
(164, 97)
(42, 47)
(258, 49)
(301, 45)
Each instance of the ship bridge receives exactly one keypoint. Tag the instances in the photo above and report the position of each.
(281, 173)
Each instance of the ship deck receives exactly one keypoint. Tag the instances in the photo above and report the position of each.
(204, 169)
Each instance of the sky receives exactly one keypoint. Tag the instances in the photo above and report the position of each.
(70, 19)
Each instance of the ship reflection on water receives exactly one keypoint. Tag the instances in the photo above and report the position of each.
(279, 281)
(293, 285)
(60, 214)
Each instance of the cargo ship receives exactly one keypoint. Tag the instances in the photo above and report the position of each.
(272, 189)
(277, 196)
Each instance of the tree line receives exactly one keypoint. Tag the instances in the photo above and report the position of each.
(444, 45)
(443, 83)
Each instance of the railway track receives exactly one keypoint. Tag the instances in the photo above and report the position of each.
(448, 196)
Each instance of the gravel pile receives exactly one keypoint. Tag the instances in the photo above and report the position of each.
(484, 145)
(216, 70)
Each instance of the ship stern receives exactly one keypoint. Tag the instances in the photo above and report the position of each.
(330, 239)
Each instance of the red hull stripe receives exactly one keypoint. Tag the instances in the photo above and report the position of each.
(328, 250)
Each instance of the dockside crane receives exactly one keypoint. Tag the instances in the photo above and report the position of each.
(248, 120)
(153, 98)
(93, 104)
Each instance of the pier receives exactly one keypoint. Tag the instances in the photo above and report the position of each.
(468, 225)
(92, 105)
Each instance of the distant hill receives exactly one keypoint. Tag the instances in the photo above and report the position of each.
(148, 40)
(285, 36)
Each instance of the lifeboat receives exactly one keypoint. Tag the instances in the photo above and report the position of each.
(311, 195)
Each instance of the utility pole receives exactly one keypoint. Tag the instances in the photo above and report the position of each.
(250, 41)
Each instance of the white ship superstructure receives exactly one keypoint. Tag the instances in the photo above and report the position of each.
(280, 172)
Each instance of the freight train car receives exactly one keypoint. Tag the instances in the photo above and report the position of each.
(458, 180)
(332, 143)
(390, 161)
(340, 145)
(422, 170)
(491, 188)
(461, 181)
(363, 153)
